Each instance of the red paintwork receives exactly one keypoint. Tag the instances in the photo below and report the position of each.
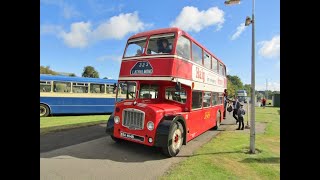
(197, 121)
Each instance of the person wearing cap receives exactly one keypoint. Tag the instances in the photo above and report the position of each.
(241, 113)
(165, 47)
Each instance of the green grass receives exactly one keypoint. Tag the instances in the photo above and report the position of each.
(226, 157)
(51, 124)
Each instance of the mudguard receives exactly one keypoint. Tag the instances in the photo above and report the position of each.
(164, 127)
(110, 125)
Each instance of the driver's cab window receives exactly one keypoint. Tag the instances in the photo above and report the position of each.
(126, 90)
(160, 44)
(174, 95)
(149, 91)
(135, 47)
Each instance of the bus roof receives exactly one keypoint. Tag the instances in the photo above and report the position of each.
(48, 77)
(173, 30)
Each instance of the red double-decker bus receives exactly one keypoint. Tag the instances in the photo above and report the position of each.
(170, 91)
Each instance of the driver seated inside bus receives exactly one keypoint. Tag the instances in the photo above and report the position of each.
(164, 46)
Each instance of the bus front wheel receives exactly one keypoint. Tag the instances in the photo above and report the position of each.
(44, 110)
(175, 139)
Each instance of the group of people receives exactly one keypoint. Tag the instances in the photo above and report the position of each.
(238, 111)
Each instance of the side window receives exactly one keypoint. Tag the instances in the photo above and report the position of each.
(111, 88)
(220, 98)
(207, 60)
(196, 99)
(214, 65)
(206, 99)
(45, 86)
(80, 87)
(221, 69)
(183, 47)
(62, 87)
(196, 54)
(173, 94)
(214, 98)
(97, 88)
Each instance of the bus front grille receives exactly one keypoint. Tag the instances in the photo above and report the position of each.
(133, 118)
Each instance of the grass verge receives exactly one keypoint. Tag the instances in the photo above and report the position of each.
(58, 123)
(227, 157)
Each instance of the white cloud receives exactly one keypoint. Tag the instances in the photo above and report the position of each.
(191, 19)
(240, 29)
(118, 26)
(68, 11)
(110, 57)
(270, 49)
(81, 34)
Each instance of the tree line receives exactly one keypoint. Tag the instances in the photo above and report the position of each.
(235, 84)
(88, 71)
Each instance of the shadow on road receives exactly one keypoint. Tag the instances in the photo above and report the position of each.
(106, 148)
(52, 141)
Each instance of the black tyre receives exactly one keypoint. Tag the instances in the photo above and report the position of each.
(117, 140)
(175, 140)
(44, 110)
(218, 120)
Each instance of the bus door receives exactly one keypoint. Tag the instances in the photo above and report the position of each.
(196, 115)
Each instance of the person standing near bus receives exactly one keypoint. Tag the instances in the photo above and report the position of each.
(236, 106)
(225, 95)
(241, 112)
(263, 102)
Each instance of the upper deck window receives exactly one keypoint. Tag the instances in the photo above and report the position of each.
(135, 47)
(214, 65)
(159, 44)
(183, 47)
(222, 69)
(196, 54)
(207, 60)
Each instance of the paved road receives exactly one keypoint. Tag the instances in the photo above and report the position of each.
(101, 158)
(66, 138)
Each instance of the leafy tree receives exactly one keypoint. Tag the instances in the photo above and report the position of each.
(72, 75)
(47, 70)
(247, 87)
(231, 90)
(89, 71)
(105, 78)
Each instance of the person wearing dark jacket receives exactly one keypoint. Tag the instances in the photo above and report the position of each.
(241, 112)
(164, 48)
(225, 95)
(236, 106)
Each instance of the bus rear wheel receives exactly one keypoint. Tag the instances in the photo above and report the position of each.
(175, 139)
(218, 120)
(44, 110)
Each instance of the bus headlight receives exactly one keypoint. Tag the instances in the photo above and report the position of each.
(150, 125)
(116, 119)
